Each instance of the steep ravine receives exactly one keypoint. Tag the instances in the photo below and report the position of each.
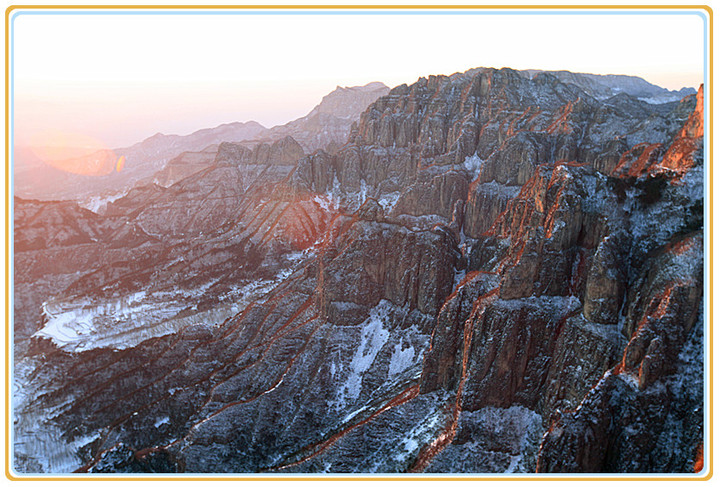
(497, 273)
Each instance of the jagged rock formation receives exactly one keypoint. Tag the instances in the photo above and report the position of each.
(497, 273)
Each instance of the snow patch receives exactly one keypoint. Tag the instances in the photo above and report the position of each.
(514, 462)
(124, 322)
(473, 164)
(97, 204)
(327, 202)
(389, 201)
(363, 191)
(372, 339)
(401, 359)
(410, 445)
(659, 100)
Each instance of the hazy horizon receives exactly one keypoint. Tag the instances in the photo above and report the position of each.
(214, 122)
(151, 77)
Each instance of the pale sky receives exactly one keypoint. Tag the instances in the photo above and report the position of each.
(122, 78)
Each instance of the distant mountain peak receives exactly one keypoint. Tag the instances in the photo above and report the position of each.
(349, 102)
(373, 85)
(604, 86)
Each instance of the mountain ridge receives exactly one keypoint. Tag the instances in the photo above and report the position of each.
(143, 159)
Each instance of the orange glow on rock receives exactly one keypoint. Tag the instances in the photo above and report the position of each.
(562, 123)
(297, 221)
(120, 164)
(682, 246)
(74, 153)
(638, 161)
(699, 459)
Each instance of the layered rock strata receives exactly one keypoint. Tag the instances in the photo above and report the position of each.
(497, 273)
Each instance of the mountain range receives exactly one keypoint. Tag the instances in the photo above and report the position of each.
(327, 125)
(495, 271)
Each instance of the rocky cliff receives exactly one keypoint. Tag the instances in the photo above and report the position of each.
(497, 272)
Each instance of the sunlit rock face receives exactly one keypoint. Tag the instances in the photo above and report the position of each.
(498, 272)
